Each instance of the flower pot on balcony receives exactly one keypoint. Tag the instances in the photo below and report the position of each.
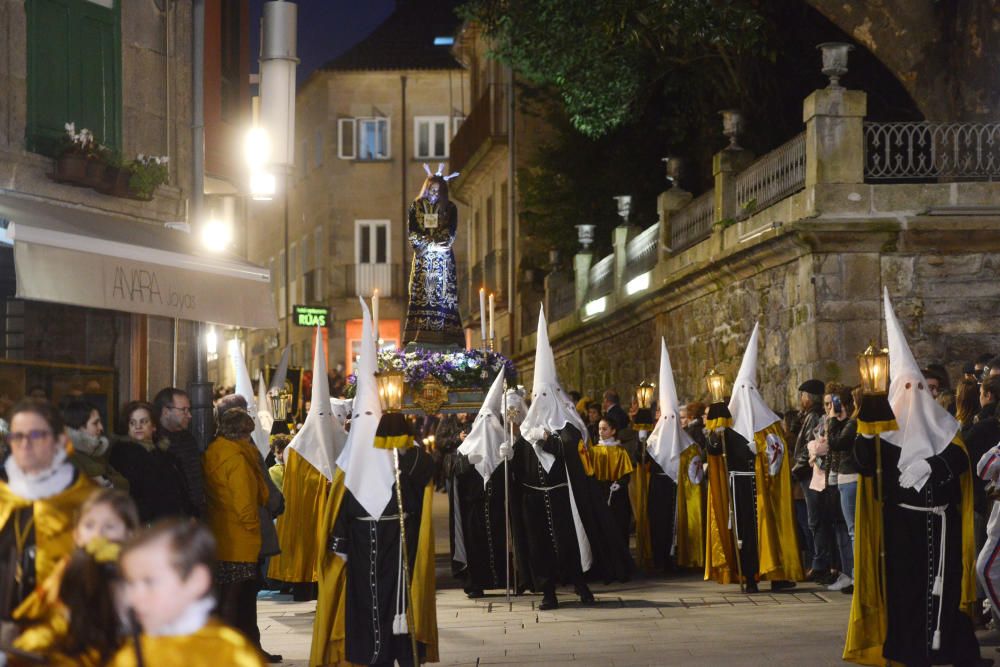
(95, 174)
(71, 168)
(116, 182)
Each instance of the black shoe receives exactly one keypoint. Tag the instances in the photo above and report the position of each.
(781, 585)
(751, 587)
(848, 590)
(586, 597)
(271, 657)
(549, 603)
(475, 595)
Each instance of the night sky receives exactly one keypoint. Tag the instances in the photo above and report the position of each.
(327, 28)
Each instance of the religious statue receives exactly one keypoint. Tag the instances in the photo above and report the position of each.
(432, 318)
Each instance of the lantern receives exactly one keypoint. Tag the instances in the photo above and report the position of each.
(873, 365)
(280, 401)
(390, 390)
(716, 386)
(644, 394)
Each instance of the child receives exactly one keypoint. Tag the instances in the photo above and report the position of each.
(73, 617)
(168, 581)
(277, 471)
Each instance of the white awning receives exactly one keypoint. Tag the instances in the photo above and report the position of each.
(84, 257)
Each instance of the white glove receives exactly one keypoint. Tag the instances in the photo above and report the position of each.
(915, 475)
(506, 451)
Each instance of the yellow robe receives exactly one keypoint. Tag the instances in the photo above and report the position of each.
(305, 491)
(777, 541)
(214, 645)
(638, 492)
(720, 554)
(867, 625)
(690, 527)
(328, 628)
(54, 517)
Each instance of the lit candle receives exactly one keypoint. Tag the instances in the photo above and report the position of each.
(492, 313)
(482, 314)
(375, 313)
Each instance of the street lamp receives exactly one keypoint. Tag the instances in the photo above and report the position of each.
(873, 366)
(716, 386)
(216, 235)
(257, 151)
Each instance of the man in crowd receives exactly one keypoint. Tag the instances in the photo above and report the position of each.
(811, 403)
(173, 406)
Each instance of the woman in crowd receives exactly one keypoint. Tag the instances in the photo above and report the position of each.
(91, 448)
(236, 490)
(612, 469)
(842, 476)
(967, 402)
(154, 475)
(40, 493)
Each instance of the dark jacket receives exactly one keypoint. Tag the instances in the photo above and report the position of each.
(983, 434)
(275, 506)
(155, 480)
(185, 448)
(840, 437)
(801, 469)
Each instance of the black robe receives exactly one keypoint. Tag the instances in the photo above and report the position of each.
(662, 510)
(544, 531)
(740, 459)
(477, 519)
(373, 567)
(912, 546)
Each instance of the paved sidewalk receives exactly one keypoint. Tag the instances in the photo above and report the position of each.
(646, 622)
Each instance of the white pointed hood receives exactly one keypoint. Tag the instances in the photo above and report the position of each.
(341, 409)
(925, 428)
(368, 472)
(750, 413)
(263, 405)
(668, 440)
(321, 438)
(244, 387)
(551, 407)
(482, 445)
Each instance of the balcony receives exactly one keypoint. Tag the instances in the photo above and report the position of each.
(363, 279)
(483, 128)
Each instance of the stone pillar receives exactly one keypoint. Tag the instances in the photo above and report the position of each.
(581, 268)
(726, 164)
(667, 203)
(622, 235)
(835, 142)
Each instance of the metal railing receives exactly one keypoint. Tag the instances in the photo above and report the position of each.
(602, 278)
(364, 278)
(931, 150)
(641, 254)
(487, 120)
(773, 177)
(693, 222)
(560, 296)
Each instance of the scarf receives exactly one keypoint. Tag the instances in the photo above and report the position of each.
(35, 486)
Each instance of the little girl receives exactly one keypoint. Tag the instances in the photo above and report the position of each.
(73, 617)
(168, 583)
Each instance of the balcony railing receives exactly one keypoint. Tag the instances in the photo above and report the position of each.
(772, 178)
(693, 222)
(487, 120)
(642, 253)
(561, 296)
(602, 278)
(931, 150)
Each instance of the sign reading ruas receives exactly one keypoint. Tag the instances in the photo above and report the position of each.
(309, 316)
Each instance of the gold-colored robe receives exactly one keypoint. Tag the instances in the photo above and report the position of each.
(328, 629)
(720, 553)
(690, 527)
(53, 525)
(214, 645)
(306, 491)
(638, 492)
(777, 541)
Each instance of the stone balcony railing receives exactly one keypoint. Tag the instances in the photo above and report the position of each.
(841, 170)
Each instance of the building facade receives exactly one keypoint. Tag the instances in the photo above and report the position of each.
(366, 123)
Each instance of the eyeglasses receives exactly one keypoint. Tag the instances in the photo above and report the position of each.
(33, 437)
(184, 409)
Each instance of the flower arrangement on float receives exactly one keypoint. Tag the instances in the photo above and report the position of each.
(458, 370)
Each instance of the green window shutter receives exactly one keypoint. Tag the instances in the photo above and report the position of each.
(74, 71)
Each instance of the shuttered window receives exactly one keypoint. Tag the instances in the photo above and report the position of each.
(74, 71)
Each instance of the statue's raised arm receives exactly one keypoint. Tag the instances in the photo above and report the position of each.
(432, 318)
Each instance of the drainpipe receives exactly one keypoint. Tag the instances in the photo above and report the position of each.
(403, 201)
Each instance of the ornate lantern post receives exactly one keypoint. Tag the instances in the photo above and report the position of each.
(873, 366)
(717, 388)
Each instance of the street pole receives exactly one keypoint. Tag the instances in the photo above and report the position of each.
(200, 390)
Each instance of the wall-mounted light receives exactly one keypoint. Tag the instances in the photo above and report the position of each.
(637, 284)
(596, 307)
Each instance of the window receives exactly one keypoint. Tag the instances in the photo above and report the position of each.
(318, 148)
(372, 242)
(363, 138)
(430, 136)
(304, 254)
(504, 212)
(313, 287)
(456, 122)
(230, 25)
(74, 71)
(490, 221)
(318, 246)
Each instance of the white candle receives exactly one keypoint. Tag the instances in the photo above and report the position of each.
(375, 313)
(482, 314)
(492, 313)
